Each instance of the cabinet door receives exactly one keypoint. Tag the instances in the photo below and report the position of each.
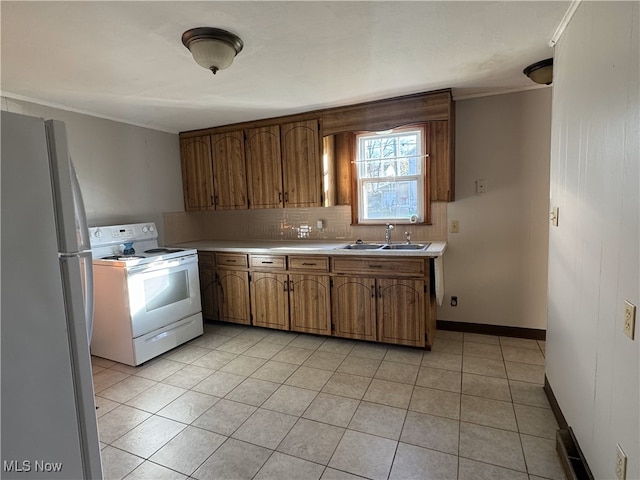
(208, 292)
(401, 311)
(301, 164)
(197, 173)
(310, 304)
(264, 167)
(442, 162)
(229, 171)
(233, 296)
(269, 300)
(354, 307)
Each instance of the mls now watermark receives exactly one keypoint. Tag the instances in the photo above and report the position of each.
(31, 466)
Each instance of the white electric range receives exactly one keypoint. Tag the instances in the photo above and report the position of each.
(147, 297)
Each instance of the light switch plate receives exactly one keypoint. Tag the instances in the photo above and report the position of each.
(629, 319)
(454, 227)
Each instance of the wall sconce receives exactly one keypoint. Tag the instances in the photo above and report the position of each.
(212, 48)
(540, 72)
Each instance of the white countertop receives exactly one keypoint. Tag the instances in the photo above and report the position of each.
(306, 247)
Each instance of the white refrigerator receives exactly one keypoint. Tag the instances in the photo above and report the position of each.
(48, 415)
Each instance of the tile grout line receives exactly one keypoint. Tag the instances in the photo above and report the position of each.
(333, 371)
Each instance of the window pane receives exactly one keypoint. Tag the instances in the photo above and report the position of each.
(389, 200)
(390, 172)
(390, 155)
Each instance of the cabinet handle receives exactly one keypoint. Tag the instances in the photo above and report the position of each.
(285, 284)
(280, 196)
(212, 201)
(309, 264)
(373, 291)
(230, 261)
(291, 285)
(264, 261)
(286, 197)
(379, 291)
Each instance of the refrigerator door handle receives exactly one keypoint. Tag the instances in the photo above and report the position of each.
(82, 230)
(73, 234)
(71, 271)
(86, 261)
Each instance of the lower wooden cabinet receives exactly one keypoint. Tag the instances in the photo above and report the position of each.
(233, 296)
(388, 310)
(374, 299)
(354, 307)
(295, 302)
(270, 300)
(207, 292)
(310, 303)
(207, 270)
(401, 311)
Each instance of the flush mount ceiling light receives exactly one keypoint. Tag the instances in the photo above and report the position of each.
(212, 48)
(540, 72)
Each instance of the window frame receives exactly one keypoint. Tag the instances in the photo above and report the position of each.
(424, 183)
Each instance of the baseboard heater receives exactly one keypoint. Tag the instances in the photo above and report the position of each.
(573, 462)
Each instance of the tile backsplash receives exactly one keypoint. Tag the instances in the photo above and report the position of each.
(292, 224)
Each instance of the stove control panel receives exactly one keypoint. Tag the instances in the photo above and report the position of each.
(124, 232)
(118, 234)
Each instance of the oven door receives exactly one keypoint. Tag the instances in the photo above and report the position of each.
(163, 292)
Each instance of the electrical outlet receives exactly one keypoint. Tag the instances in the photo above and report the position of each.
(621, 463)
(454, 301)
(481, 186)
(455, 226)
(629, 319)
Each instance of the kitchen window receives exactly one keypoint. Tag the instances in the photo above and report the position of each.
(391, 176)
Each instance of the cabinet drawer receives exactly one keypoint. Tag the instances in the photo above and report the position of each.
(206, 258)
(231, 260)
(319, 264)
(268, 261)
(380, 266)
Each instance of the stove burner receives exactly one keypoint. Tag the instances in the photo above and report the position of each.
(163, 250)
(122, 257)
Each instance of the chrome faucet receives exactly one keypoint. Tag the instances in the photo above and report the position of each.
(407, 235)
(387, 233)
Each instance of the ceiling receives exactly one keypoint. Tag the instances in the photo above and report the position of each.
(125, 60)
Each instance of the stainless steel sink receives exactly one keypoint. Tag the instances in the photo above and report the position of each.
(406, 246)
(362, 246)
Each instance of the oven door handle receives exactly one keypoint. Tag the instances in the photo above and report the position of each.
(163, 264)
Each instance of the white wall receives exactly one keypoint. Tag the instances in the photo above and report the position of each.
(594, 258)
(497, 264)
(127, 173)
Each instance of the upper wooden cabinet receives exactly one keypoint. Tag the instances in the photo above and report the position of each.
(264, 167)
(229, 172)
(301, 164)
(278, 162)
(442, 162)
(388, 113)
(197, 173)
(213, 172)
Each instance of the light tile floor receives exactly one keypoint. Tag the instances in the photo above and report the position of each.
(250, 403)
